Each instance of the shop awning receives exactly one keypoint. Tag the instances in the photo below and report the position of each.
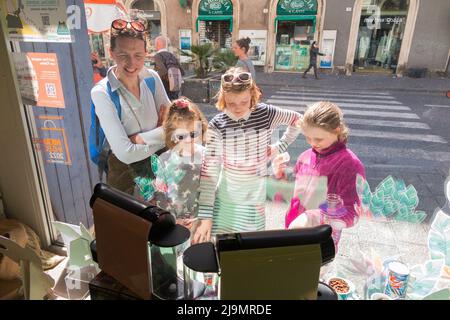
(215, 18)
(295, 18)
(100, 14)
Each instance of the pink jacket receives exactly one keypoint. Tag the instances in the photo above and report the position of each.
(333, 170)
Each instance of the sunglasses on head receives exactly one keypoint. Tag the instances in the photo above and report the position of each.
(120, 24)
(182, 136)
(236, 80)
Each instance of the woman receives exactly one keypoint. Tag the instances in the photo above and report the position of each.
(240, 49)
(136, 133)
(313, 52)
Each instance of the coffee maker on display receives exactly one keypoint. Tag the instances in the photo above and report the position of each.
(139, 245)
(264, 265)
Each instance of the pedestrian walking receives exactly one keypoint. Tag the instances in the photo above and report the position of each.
(240, 49)
(313, 53)
(168, 68)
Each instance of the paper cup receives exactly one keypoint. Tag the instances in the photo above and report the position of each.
(380, 296)
(344, 288)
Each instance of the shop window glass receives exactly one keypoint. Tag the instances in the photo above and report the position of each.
(292, 44)
(98, 45)
(217, 32)
(380, 35)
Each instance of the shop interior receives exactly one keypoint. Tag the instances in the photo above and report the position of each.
(380, 36)
(292, 44)
(216, 32)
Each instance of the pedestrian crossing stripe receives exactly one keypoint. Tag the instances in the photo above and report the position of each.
(365, 113)
(280, 99)
(335, 92)
(388, 123)
(277, 102)
(370, 109)
(436, 106)
(396, 135)
(301, 93)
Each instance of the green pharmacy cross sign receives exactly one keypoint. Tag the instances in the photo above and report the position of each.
(215, 7)
(297, 7)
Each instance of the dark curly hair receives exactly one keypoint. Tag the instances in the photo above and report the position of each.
(244, 43)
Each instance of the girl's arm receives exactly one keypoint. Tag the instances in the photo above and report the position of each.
(211, 168)
(209, 176)
(278, 117)
(296, 208)
(346, 188)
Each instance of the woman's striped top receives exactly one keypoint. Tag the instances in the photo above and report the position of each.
(232, 183)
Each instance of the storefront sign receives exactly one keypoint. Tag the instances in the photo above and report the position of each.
(327, 48)
(383, 22)
(39, 79)
(258, 44)
(296, 7)
(37, 20)
(152, 15)
(100, 14)
(53, 141)
(215, 7)
(185, 36)
(185, 39)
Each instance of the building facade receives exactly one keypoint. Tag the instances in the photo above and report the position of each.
(387, 36)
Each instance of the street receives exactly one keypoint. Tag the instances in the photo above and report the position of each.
(400, 133)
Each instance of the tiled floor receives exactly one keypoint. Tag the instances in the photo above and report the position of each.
(407, 242)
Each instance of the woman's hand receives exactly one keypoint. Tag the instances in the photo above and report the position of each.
(136, 139)
(203, 232)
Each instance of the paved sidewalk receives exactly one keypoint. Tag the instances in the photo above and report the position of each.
(375, 82)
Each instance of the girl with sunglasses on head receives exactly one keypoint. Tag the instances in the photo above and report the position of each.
(134, 133)
(176, 185)
(237, 150)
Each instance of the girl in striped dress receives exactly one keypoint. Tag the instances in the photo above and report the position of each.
(233, 177)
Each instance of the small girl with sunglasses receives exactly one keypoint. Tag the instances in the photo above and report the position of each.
(177, 170)
(237, 150)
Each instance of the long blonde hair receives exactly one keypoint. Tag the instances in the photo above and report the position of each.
(255, 91)
(328, 116)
